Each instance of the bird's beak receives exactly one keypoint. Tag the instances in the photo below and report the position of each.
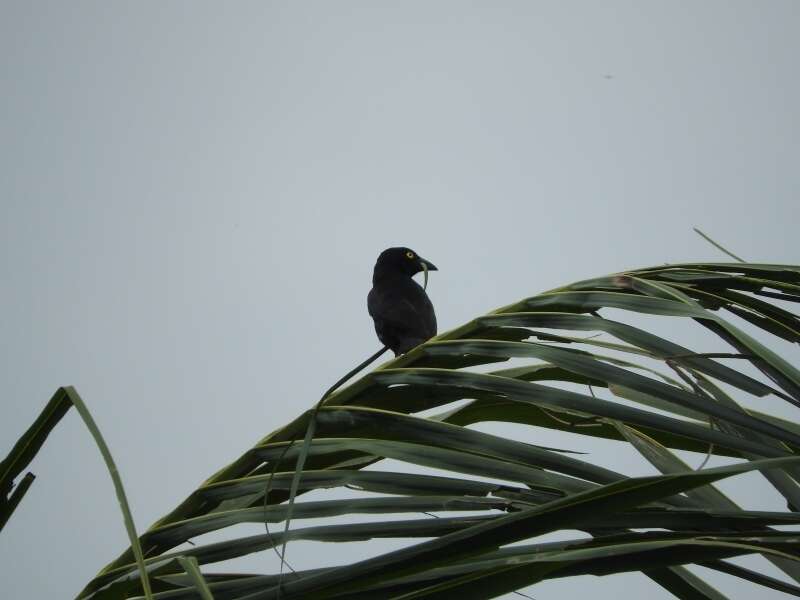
(427, 265)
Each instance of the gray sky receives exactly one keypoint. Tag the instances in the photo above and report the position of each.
(193, 196)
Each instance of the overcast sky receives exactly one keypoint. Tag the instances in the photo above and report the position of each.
(193, 196)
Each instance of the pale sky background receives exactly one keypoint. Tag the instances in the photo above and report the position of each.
(193, 196)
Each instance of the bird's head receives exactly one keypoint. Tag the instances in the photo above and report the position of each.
(394, 261)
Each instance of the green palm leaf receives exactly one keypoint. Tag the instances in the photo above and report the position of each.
(495, 496)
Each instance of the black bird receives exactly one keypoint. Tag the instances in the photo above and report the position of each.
(401, 309)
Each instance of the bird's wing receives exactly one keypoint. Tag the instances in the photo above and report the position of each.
(410, 310)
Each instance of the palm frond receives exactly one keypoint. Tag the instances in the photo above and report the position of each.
(594, 358)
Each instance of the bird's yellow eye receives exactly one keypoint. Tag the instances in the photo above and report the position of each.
(409, 254)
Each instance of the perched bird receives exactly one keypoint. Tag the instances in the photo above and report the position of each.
(401, 309)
